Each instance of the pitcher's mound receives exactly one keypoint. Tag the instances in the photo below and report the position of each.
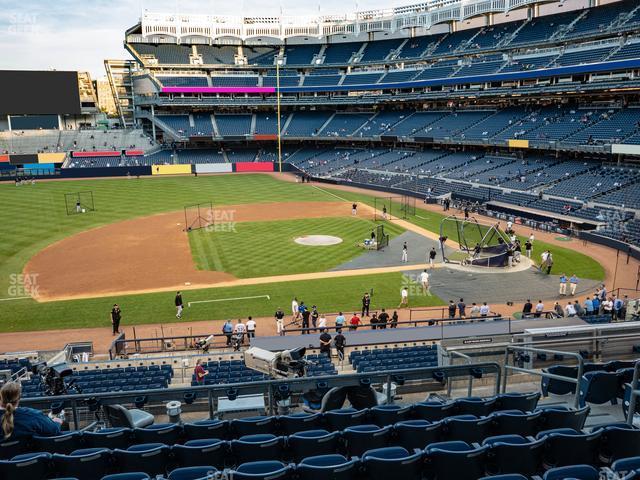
(318, 240)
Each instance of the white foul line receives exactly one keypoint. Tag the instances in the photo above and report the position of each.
(330, 193)
(12, 298)
(229, 299)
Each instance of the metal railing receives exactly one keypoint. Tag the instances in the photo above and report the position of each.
(269, 388)
(530, 371)
(635, 393)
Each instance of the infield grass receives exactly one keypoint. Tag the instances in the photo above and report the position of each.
(259, 249)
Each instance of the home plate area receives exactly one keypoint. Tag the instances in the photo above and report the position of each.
(318, 240)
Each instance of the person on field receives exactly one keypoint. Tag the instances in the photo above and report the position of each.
(354, 209)
(179, 305)
(279, 316)
(354, 322)
(251, 328)
(366, 303)
(432, 257)
(563, 284)
(573, 283)
(424, 280)
(227, 331)
(405, 254)
(116, 316)
(404, 297)
(294, 310)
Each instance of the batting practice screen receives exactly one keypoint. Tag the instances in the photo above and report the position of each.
(38, 93)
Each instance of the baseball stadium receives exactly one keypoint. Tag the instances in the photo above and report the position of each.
(397, 241)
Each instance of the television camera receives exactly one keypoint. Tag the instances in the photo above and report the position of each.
(53, 378)
(284, 364)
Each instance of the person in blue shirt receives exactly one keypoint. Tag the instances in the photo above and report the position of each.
(21, 422)
(617, 308)
(227, 330)
(596, 305)
(563, 284)
(588, 306)
(573, 283)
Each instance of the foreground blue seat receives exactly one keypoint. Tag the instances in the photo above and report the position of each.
(459, 460)
(412, 434)
(574, 472)
(192, 473)
(514, 454)
(64, 444)
(506, 476)
(325, 467)
(26, 466)
(250, 448)
(525, 402)
(383, 415)
(201, 452)
(11, 447)
(253, 426)
(619, 441)
(360, 438)
(151, 458)
(127, 476)
(167, 433)
(85, 464)
(312, 443)
(389, 462)
(562, 417)
(599, 387)
(344, 417)
(515, 422)
(625, 466)
(565, 446)
(480, 407)
(433, 411)
(271, 470)
(206, 429)
(298, 422)
(111, 438)
(559, 387)
(467, 428)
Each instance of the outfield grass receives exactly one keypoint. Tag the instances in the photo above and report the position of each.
(34, 217)
(258, 249)
(331, 296)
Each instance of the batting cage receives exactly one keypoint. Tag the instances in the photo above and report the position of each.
(198, 215)
(477, 243)
(79, 202)
(399, 206)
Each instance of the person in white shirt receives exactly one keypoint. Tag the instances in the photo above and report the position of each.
(509, 225)
(539, 308)
(404, 297)
(322, 322)
(294, 309)
(484, 309)
(240, 330)
(532, 237)
(424, 280)
(570, 310)
(251, 328)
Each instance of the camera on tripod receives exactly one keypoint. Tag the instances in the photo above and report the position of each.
(52, 378)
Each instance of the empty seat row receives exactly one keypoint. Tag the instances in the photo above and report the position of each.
(459, 459)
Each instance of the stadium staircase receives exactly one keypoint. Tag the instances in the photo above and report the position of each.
(324, 125)
(565, 29)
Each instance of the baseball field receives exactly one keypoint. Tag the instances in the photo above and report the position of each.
(62, 271)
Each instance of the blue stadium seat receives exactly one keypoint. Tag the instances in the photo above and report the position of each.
(599, 387)
(167, 433)
(345, 417)
(459, 460)
(389, 462)
(480, 407)
(515, 422)
(151, 458)
(192, 473)
(514, 454)
(85, 464)
(327, 467)
(565, 446)
(201, 452)
(467, 428)
(556, 416)
(506, 476)
(618, 442)
(312, 443)
(559, 387)
(127, 476)
(434, 411)
(412, 434)
(206, 429)
(360, 438)
(253, 425)
(525, 402)
(299, 422)
(110, 438)
(63, 444)
(384, 415)
(573, 472)
(625, 466)
(271, 470)
(265, 446)
(10, 448)
(25, 466)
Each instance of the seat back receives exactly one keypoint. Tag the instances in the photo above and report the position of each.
(599, 387)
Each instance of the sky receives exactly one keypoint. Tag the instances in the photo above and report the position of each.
(80, 34)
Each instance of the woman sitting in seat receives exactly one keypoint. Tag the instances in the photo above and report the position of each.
(23, 422)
